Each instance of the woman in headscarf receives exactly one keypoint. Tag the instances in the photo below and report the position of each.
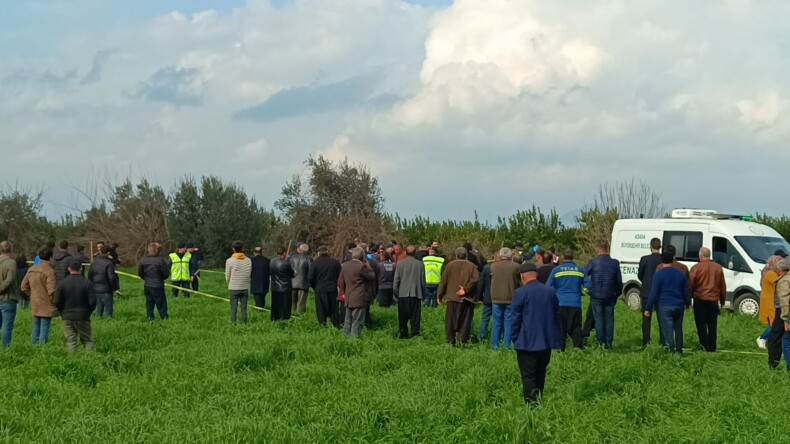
(769, 276)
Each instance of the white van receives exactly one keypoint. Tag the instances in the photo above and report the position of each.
(739, 245)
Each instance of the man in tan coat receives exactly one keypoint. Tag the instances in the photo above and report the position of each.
(458, 284)
(40, 284)
(505, 279)
(356, 283)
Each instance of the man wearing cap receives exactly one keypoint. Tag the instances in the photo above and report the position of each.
(458, 286)
(75, 303)
(535, 331)
(323, 276)
(259, 280)
(709, 291)
(670, 290)
(179, 269)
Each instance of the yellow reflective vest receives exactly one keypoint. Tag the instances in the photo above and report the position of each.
(433, 269)
(179, 268)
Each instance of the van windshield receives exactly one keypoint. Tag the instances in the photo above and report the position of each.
(760, 248)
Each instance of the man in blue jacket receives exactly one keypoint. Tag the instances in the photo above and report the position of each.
(606, 285)
(568, 279)
(670, 290)
(535, 314)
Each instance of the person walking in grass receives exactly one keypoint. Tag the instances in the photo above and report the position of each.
(409, 289)
(709, 291)
(648, 265)
(9, 293)
(259, 281)
(457, 287)
(154, 271)
(75, 302)
(670, 290)
(606, 283)
(778, 339)
(300, 263)
(357, 280)
(535, 332)
(238, 269)
(281, 274)
(105, 282)
(504, 281)
(568, 281)
(40, 284)
(323, 276)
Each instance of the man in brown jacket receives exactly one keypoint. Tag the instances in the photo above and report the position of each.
(40, 284)
(709, 291)
(505, 279)
(356, 283)
(458, 284)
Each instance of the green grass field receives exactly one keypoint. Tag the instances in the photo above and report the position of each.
(197, 378)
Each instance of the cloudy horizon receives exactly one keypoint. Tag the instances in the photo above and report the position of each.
(488, 106)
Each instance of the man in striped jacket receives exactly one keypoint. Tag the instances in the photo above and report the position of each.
(238, 269)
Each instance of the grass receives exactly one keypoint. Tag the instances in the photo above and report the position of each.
(197, 378)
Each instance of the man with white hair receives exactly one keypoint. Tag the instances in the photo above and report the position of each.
(709, 291)
(505, 279)
(356, 278)
(300, 263)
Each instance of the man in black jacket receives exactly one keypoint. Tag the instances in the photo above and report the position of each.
(154, 271)
(61, 259)
(647, 269)
(281, 275)
(259, 281)
(105, 282)
(323, 276)
(75, 302)
(80, 256)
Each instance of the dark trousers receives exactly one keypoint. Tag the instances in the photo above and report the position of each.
(671, 320)
(326, 306)
(155, 297)
(706, 317)
(196, 283)
(430, 295)
(409, 310)
(571, 325)
(181, 284)
(533, 365)
(384, 298)
(589, 323)
(458, 321)
(260, 299)
(647, 324)
(339, 315)
(775, 339)
(104, 305)
(281, 306)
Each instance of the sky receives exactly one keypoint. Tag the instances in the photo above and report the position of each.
(457, 106)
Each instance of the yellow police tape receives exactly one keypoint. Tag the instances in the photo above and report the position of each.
(200, 293)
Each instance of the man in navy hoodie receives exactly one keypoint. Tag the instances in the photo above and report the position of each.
(606, 285)
(670, 290)
(568, 279)
(535, 316)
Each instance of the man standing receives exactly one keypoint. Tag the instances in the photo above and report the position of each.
(300, 263)
(385, 278)
(75, 302)
(179, 270)
(524, 254)
(670, 290)
(535, 331)
(259, 281)
(323, 275)
(408, 289)
(61, 259)
(80, 256)
(647, 269)
(154, 271)
(9, 293)
(484, 293)
(281, 274)
(568, 281)
(504, 281)
(545, 264)
(40, 284)
(398, 254)
(104, 282)
(238, 269)
(194, 265)
(776, 340)
(434, 267)
(357, 280)
(709, 291)
(458, 284)
(606, 286)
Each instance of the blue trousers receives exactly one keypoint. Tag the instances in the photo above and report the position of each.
(483, 332)
(502, 325)
(603, 312)
(41, 330)
(671, 321)
(430, 296)
(7, 318)
(786, 349)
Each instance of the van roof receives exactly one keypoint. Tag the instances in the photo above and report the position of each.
(733, 227)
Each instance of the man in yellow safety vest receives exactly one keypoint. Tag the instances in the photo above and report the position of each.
(434, 267)
(179, 269)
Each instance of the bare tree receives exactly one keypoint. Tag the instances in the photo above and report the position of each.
(630, 199)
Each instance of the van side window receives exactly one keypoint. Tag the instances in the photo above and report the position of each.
(725, 254)
(687, 244)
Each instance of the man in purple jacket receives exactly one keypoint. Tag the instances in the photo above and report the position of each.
(535, 315)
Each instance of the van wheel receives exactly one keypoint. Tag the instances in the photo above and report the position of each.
(747, 304)
(633, 299)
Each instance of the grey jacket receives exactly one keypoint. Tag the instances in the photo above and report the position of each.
(301, 266)
(409, 278)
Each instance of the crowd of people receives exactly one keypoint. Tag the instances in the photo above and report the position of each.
(531, 298)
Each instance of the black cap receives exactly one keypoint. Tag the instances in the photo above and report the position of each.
(780, 252)
(528, 268)
(667, 257)
(520, 245)
(75, 264)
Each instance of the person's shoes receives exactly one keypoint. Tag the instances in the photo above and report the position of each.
(761, 343)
